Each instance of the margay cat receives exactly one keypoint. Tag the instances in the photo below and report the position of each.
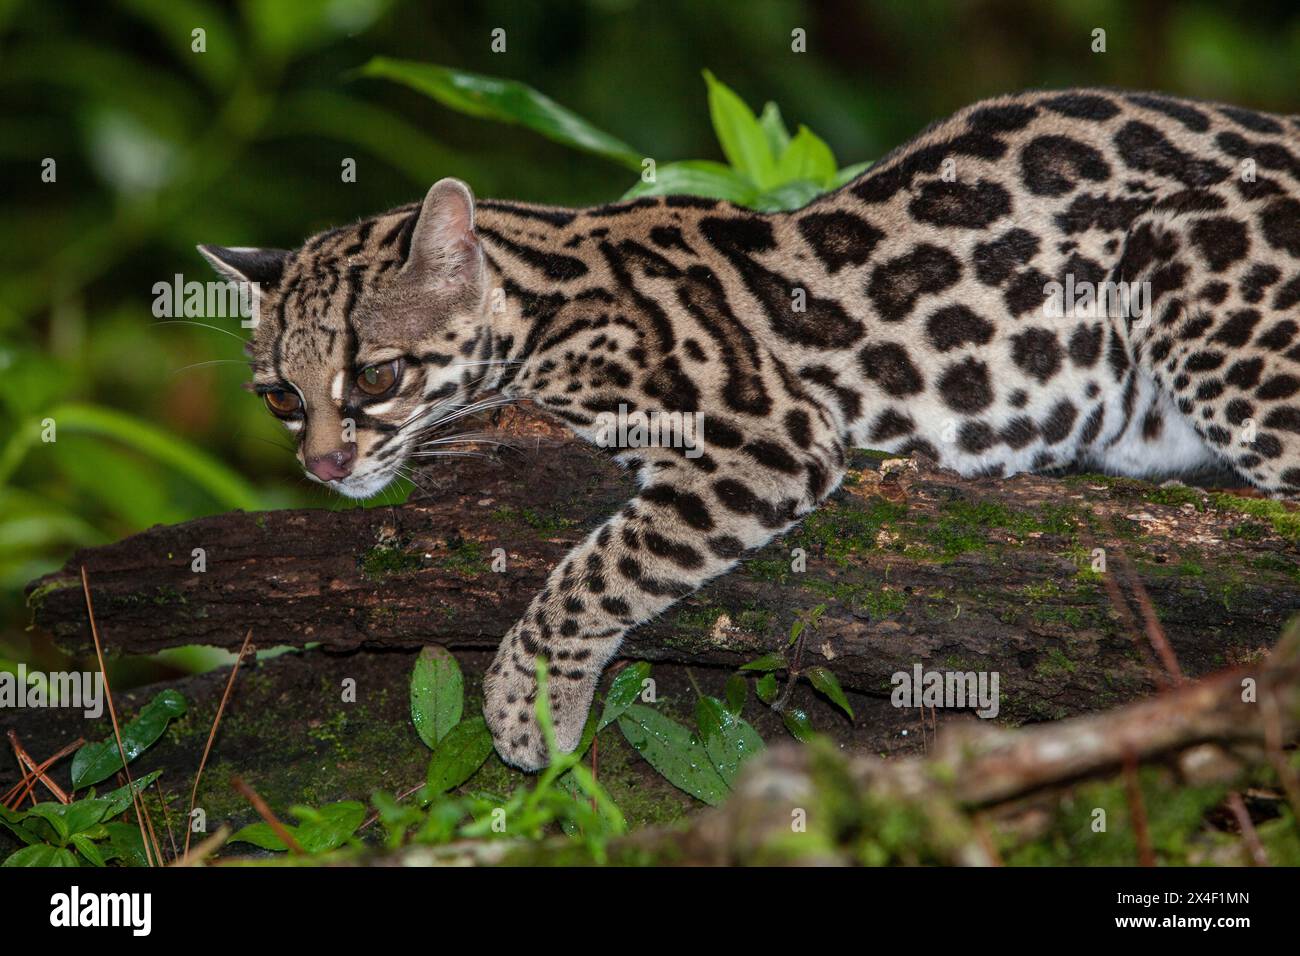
(922, 327)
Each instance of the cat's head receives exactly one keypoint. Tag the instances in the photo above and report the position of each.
(368, 334)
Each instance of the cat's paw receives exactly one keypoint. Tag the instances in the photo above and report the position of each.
(510, 705)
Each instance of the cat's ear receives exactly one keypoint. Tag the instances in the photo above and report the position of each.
(444, 246)
(246, 264)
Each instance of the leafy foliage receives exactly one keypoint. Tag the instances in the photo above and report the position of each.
(789, 660)
(96, 762)
(78, 833)
(766, 168)
(437, 694)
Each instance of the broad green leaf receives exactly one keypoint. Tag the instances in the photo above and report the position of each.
(829, 684)
(86, 847)
(119, 799)
(787, 197)
(807, 157)
(623, 691)
(700, 177)
(743, 140)
(96, 762)
(458, 755)
(728, 740)
(778, 137)
(42, 855)
(768, 662)
(69, 818)
(507, 101)
(127, 844)
(850, 173)
(51, 814)
(437, 694)
(674, 751)
(329, 827)
(260, 834)
(736, 693)
(797, 722)
(14, 822)
(766, 688)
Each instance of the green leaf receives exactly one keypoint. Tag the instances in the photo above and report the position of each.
(778, 137)
(86, 847)
(674, 751)
(118, 800)
(437, 694)
(458, 755)
(766, 688)
(127, 843)
(728, 740)
(607, 808)
(12, 821)
(829, 684)
(505, 101)
(850, 173)
(67, 819)
(96, 762)
(623, 691)
(42, 855)
(807, 157)
(768, 662)
(329, 827)
(743, 140)
(787, 197)
(797, 722)
(260, 834)
(736, 693)
(697, 177)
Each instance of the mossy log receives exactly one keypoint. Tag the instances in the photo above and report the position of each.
(914, 564)
(982, 787)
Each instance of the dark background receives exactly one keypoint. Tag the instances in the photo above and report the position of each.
(159, 148)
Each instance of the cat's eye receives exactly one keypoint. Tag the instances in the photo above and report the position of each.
(378, 379)
(282, 401)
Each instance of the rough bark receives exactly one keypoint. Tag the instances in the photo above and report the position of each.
(914, 564)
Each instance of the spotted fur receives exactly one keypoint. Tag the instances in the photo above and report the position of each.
(904, 311)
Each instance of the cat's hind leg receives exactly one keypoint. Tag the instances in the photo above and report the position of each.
(1220, 337)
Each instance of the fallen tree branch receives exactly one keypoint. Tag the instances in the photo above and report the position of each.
(914, 564)
(1213, 730)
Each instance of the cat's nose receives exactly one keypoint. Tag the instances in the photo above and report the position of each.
(333, 465)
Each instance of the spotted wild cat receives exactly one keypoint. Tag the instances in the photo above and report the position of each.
(905, 311)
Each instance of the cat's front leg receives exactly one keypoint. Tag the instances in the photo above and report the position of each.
(680, 531)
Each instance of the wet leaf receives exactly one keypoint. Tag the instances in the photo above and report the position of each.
(736, 692)
(829, 684)
(728, 740)
(623, 691)
(437, 694)
(458, 755)
(766, 688)
(797, 722)
(674, 751)
(99, 761)
(768, 662)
